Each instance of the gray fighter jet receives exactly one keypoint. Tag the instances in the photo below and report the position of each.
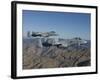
(41, 34)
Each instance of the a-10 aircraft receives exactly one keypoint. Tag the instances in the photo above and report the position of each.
(52, 42)
(41, 34)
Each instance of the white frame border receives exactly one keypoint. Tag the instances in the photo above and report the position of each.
(36, 72)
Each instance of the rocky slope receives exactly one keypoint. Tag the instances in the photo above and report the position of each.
(54, 57)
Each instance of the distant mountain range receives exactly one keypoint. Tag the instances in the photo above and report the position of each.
(51, 53)
(40, 42)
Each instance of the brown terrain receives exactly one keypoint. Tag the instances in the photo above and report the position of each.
(35, 57)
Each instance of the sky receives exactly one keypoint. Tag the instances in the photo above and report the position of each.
(67, 25)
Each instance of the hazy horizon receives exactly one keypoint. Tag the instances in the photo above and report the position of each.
(67, 25)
